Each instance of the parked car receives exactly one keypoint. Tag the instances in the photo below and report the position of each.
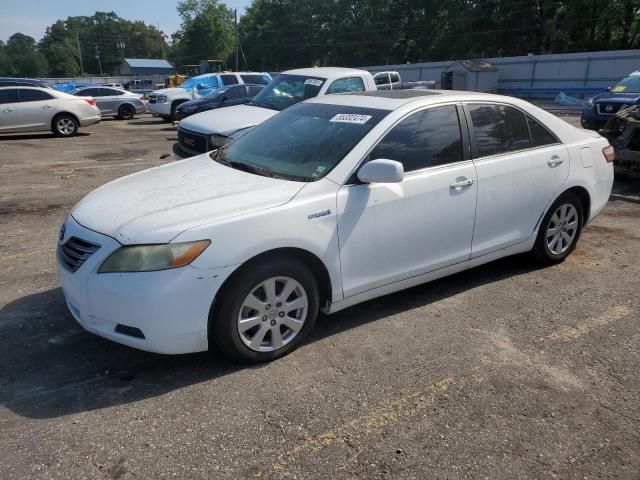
(391, 80)
(209, 130)
(219, 98)
(114, 102)
(164, 103)
(601, 108)
(332, 202)
(32, 109)
(114, 85)
(138, 85)
(22, 82)
(68, 87)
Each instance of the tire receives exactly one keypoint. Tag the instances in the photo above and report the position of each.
(126, 112)
(261, 324)
(174, 106)
(65, 125)
(559, 230)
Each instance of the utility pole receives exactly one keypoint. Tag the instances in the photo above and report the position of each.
(98, 57)
(235, 12)
(120, 44)
(79, 54)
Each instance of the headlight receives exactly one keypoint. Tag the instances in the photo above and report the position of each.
(161, 99)
(150, 258)
(218, 140)
(590, 102)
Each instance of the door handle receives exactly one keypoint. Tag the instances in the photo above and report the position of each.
(46, 106)
(8, 110)
(462, 183)
(555, 161)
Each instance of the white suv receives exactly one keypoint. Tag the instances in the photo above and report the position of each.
(163, 103)
(334, 201)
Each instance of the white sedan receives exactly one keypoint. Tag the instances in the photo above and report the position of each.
(334, 201)
(34, 109)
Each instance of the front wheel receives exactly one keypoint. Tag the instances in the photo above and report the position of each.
(65, 125)
(560, 229)
(265, 311)
(126, 112)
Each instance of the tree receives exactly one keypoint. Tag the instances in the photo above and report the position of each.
(23, 57)
(206, 32)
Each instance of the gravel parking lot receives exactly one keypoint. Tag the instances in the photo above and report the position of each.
(505, 371)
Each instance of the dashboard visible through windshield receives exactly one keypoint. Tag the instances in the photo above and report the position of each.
(286, 90)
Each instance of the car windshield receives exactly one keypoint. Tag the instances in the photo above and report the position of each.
(630, 84)
(303, 143)
(287, 90)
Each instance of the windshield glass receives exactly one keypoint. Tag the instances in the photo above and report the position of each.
(630, 84)
(287, 90)
(303, 143)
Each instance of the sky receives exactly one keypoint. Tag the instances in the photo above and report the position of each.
(32, 17)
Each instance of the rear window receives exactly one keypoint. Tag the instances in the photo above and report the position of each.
(28, 95)
(498, 129)
(540, 136)
(346, 85)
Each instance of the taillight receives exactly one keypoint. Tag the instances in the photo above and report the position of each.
(90, 101)
(609, 153)
(142, 97)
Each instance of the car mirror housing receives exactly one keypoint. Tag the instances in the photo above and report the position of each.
(381, 171)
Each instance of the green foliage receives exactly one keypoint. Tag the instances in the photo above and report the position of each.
(23, 57)
(277, 34)
(206, 32)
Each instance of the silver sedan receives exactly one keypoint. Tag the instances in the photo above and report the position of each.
(114, 102)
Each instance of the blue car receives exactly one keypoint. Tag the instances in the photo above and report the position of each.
(602, 107)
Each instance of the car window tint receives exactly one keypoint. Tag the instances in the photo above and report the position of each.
(235, 92)
(109, 92)
(342, 85)
(260, 79)
(254, 90)
(28, 95)
(229, 79)
(89, 92)
(540, 136)
(8, 83)
(499, 129)
(425, 139)
(382, 79)
(10, 95)
(395, 78)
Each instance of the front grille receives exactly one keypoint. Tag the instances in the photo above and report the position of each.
(603, 108)
(192, 141)
(74, 252)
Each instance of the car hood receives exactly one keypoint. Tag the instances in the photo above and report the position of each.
(153, 206)
(168, 91)
(611, 97)
(227, 120)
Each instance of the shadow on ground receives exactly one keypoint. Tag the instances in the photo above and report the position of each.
(37, 136)
(51, 367)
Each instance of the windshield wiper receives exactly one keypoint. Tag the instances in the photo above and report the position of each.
(269, 105)
(245, 167)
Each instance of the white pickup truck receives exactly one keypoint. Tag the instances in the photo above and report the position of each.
(391, 80)
(210, 130)
(163, 103)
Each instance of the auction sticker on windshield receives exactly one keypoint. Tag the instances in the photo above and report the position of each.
(351, 118)
(313, 81)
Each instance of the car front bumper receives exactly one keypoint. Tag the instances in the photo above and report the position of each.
(86, 121)
(160, 109)
(169, 307)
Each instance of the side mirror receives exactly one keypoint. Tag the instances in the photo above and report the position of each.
(381, 171)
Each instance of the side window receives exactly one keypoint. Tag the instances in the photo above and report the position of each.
(236, 92)
(342, 85)
(260, 79)
(395, 78)
(382, 79)
(89, 92)
(254, 90)
(109, 92)
(27, 95)
(8, 83)
(540, 136)
(425, 139)
(499, 129)
(229, 79)
(9, 95)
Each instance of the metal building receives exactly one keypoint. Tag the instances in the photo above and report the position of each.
(471, 75)
(145, 66)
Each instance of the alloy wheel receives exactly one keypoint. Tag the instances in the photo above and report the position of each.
(66, 126)
(272, 314)
(562, 229)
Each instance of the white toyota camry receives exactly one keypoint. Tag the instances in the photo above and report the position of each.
(332, 202)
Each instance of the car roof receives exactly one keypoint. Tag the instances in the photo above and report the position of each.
(326, 72)
(394, 99)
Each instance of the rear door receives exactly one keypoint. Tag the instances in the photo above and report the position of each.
(521, 166)
(36, 108)
(110, 100)
(9, 109)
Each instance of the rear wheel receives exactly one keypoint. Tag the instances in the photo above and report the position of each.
(126, 112)
(65, 125)
(560, 229)
(265, 311)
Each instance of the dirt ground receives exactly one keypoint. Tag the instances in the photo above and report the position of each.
(505, 371)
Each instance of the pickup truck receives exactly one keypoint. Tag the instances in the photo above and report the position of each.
(211, 130)
(163, 103)
(391, 80)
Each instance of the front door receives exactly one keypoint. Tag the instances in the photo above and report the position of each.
(391, 232)
(8, 109)
(521, 167)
